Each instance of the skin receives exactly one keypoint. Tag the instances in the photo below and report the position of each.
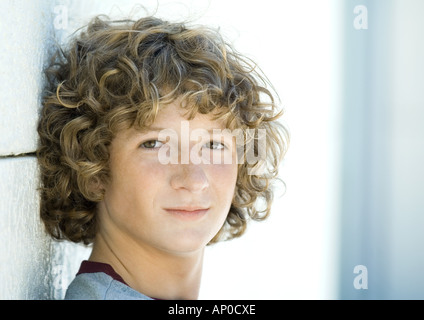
(156, 219)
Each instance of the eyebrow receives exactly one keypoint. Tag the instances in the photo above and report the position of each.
(148, 130)
(151, 129)
(158, 129)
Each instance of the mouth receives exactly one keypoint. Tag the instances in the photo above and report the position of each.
(187, 213)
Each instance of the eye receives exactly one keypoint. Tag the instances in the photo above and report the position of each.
(151, 144)
(214, 145)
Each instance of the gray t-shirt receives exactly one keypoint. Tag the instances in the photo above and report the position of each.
(98, 281)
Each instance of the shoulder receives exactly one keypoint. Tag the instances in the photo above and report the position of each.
(100, 286)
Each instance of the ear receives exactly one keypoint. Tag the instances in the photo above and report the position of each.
(95, 190)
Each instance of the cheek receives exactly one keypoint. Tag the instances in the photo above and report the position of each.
(148, 179)
(223, 178)
(136, 183)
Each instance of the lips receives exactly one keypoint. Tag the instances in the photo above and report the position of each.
(187, 212)
(188, 208)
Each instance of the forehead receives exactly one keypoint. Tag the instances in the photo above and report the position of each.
(172, 116)
(174, 113)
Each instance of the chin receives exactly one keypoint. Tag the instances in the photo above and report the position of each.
(189, 243)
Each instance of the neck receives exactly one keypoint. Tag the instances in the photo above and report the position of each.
(151, 271)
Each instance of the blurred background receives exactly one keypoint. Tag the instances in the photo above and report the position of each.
(350, 76)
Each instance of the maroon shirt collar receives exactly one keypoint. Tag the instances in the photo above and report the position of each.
(93, 267)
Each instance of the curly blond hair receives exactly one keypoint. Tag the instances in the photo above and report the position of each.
(116, 75)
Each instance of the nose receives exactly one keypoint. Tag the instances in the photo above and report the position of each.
(190, 177)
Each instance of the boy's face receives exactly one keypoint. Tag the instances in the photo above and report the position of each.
(175, 207)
